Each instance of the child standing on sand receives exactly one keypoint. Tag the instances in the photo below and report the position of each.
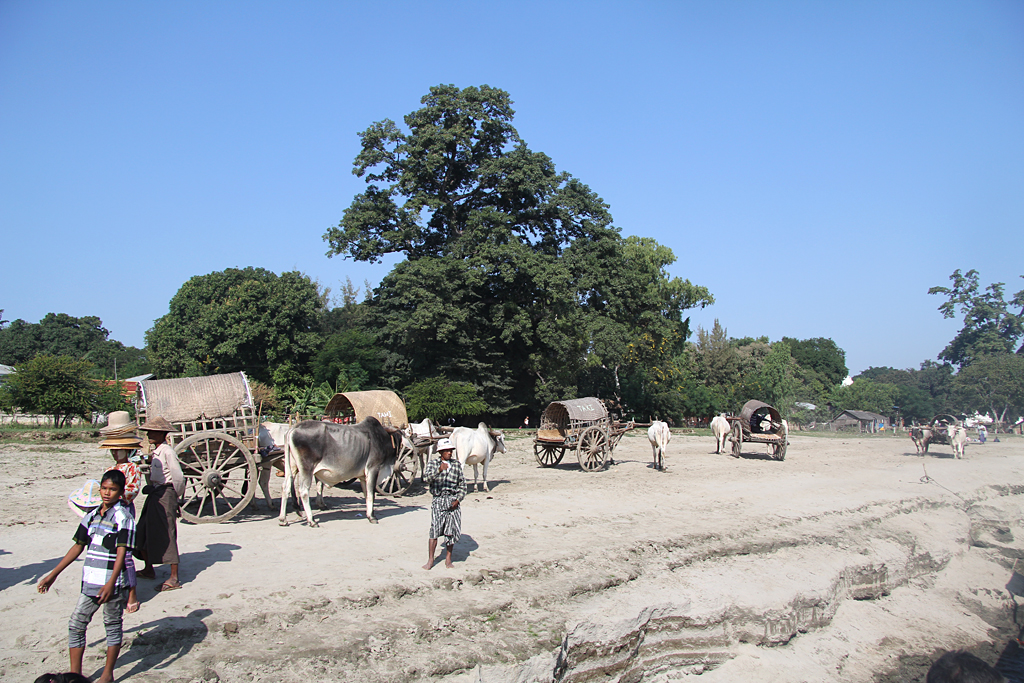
(106, 533)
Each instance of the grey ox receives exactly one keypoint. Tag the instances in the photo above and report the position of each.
(334, 453)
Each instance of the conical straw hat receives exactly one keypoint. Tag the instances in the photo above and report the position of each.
(157, 424)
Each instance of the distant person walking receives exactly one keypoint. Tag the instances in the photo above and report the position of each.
(158, 524)
(448, 487)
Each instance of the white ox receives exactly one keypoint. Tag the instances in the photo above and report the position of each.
(720, 428)
(272, 438)
(659, 436)
(477, 447)
(958, 440)
(422, 430)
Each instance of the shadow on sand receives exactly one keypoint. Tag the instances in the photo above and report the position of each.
(160, 643)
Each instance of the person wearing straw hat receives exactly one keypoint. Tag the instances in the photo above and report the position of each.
(158, 525)
(448, 487)
(121, 448)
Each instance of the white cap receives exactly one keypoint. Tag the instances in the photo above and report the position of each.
(445, 445)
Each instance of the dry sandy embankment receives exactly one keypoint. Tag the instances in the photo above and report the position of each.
(832, 565)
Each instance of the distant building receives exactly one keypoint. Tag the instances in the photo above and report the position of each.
(863, 420)
(5, 372)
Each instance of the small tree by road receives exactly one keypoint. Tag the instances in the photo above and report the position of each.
(52, 385)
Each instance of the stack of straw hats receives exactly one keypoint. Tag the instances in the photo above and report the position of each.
(120, 432)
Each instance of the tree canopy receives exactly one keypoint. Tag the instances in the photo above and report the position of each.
(515, 279)
(990, 326)
(60, 334)
(53, 385)
(247, 319)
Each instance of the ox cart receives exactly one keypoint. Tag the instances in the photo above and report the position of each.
(215, 440)
(941, 425)
(389, 409)
(758, 423)
(582, 425)
(937, 431)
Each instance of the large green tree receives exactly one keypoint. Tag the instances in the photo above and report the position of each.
(821, 356)
(992, 384)
(514, 279)
(991, 325)
(866, 394)
(247, 319)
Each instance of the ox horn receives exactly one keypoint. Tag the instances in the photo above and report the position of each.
(391, 430)
(493, 432)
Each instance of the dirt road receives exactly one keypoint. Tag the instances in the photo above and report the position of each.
(837, 564)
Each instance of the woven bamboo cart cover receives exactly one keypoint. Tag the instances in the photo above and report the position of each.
(559, 416)
(590, 408)
(386, 406)
(195, 398)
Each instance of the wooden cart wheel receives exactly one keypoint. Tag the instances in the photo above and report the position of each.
(220, 477)
(592, 450)
(737, 438)
(548, 455)
(779, 451)
(403, 474)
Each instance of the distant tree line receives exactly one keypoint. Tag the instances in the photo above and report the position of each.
(981, 369)
(515, 290)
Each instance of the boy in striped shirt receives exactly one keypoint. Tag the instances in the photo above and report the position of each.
(105, 534)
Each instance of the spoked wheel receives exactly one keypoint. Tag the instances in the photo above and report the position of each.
(737, 438)
(779, 450)
(220, 477)
(548, 455)
(593, 450)
(403, 474)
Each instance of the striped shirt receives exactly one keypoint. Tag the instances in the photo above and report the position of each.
(446, 487)
(451, 483)
(102, 534)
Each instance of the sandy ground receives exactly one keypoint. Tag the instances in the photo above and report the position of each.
(855, 560)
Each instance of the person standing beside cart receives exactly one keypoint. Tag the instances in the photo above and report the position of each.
(158, 525)
(448, 487)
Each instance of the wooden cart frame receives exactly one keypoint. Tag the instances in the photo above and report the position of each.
(940, 425)
(389, 409)
(758, 423)
(581, 424)
(216, 440)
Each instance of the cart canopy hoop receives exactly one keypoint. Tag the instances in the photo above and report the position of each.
(562, 413)
(386, 406)
(189, 399)
(762, 411)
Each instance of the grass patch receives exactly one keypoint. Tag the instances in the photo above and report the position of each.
(30, 434)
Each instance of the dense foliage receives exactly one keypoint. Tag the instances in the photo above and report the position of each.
(59, 334)
(439, 399)
(53, 385)
(514, 280)
(990, 327)
(247, 319)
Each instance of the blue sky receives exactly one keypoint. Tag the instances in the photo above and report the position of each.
(817, 165)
